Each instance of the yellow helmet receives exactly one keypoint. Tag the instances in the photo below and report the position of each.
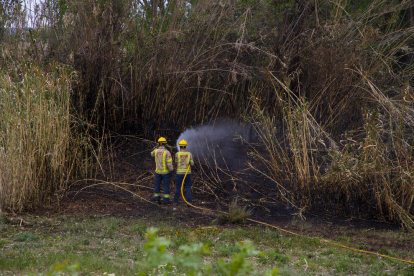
(183, 143)
(162, 140)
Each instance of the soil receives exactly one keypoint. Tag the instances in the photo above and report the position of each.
(130, 168)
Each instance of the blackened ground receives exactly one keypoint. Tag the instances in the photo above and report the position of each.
(124, 187)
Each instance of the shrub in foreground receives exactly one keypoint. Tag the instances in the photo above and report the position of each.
(189, 259)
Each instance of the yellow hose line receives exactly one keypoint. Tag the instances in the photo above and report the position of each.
(286, 231)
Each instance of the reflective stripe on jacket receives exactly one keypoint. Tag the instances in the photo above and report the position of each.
(183, 159)
(163, 160)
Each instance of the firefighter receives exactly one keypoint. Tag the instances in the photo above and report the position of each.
(163, 169)
(183, 158)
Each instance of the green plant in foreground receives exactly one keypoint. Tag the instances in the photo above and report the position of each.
(159, 261)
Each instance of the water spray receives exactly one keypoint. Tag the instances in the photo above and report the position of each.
(216, 140)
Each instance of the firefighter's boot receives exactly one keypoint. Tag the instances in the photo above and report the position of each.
(157, 200)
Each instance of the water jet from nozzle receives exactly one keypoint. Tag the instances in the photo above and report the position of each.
(217, 141)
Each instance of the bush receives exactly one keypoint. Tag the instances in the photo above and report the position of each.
(189, 259)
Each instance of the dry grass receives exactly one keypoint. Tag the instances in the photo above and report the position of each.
(236, 214)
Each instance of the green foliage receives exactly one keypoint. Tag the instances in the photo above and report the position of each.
(239, 264)
(156, 250)
(159, 260)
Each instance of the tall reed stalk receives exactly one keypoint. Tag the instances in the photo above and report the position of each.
(35, 158)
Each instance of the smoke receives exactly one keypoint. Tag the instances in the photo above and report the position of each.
(218, 142)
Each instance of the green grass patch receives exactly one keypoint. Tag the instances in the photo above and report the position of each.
(120, 246)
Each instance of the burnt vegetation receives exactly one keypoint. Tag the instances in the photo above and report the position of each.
(327, 85)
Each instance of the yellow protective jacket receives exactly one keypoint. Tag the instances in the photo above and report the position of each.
(163, 160)
(183, 158)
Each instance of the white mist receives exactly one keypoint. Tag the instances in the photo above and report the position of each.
(216, 141)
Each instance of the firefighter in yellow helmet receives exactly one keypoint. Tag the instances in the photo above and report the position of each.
(183, 158)
(163, 169)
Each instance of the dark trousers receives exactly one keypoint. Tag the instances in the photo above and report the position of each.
(165, 178)
(187, 184)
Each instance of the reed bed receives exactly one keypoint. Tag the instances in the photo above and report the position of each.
(327, 85)
(347, 147)
(37, 150)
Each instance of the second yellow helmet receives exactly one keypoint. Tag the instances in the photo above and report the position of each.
(162, 140)
(182, 143)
